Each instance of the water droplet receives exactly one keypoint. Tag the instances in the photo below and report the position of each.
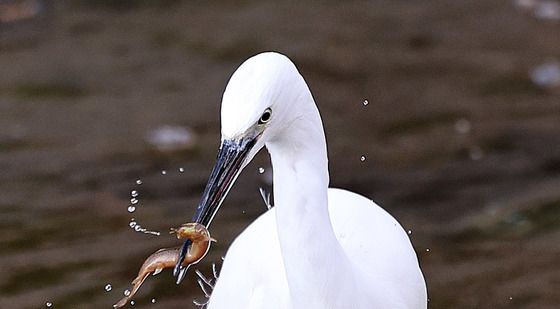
(181, 170)
(131, 209)
(134, 193)
(164, 172)
(138, 182)
(108, 287)
(126, 292)
(132, 303)
(48, 304)
(133, 201)
(261, 170)
(366, 102)
(427, 249)
(153, 300)
(243, 211)
(510, 298)
(409, 232)
(362, 158)
(138, 228)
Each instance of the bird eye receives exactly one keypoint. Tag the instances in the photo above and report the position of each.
(265, 116)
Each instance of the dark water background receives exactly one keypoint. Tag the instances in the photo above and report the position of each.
(460, 145)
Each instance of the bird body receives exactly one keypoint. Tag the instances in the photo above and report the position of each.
(317, 248)
(375, 242)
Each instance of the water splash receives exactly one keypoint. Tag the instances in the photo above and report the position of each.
(201, 305)
(134, 201)
(261, 170)
(203, 282)
(108, 287)
(153, 300)
(206, 285)
(214, 271)
(48, 304)
(362, 158)
(181, 170)
(266, 198)
(138, 228)
(365, 103)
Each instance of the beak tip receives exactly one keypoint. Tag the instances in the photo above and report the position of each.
(181, 273)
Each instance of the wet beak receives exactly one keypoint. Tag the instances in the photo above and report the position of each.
(229, 163)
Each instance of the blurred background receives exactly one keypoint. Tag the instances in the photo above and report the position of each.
(446, 113)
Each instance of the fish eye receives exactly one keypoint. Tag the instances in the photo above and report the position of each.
(265, 116)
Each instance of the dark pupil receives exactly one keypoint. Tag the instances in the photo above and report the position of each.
(265, 117)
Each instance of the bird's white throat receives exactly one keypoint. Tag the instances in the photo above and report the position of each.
(310, 251)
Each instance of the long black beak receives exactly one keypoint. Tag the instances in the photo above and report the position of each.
(228, 166)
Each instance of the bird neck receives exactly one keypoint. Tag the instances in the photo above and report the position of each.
(310, 251)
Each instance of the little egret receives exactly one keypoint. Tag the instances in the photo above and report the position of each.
(318, 247)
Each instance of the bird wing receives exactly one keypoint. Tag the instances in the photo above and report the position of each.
(379, 248)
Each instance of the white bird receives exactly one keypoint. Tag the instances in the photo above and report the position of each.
(318, 247)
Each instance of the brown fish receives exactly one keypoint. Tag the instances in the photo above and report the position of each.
(167, 257)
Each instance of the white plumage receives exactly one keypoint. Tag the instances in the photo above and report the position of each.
(318, 247)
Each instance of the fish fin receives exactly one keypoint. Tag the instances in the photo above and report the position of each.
(121, 303)
(139, 280)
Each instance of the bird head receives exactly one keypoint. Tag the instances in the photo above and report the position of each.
(261, 100)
